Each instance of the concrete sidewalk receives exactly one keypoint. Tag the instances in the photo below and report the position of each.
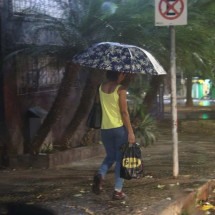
(67, 189)
(158, 193)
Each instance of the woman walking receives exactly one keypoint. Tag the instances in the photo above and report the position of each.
(116, 130)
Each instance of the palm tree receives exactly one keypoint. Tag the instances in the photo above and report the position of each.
(132, 22)
(85, 29)
(76, 32)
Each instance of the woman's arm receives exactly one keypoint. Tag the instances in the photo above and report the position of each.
(125, 115)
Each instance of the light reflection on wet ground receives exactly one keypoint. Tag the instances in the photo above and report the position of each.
(203, 115)
(203, 109)
(200, 115)
(196, 102)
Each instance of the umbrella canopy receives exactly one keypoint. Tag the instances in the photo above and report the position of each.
(119, 57)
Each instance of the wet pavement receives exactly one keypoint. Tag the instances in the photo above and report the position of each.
(197, 112)
(66, 190)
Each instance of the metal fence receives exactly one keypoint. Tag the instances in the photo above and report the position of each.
(37, 75)
(53, 8)
(40, 74)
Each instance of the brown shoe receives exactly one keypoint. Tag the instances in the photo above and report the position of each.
(119, 195)
(97, 184)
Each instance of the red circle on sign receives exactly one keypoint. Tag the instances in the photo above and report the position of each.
(171, 7)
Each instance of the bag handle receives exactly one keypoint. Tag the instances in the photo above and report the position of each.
(97, 99)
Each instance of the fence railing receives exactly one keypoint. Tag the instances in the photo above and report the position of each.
(55, 8)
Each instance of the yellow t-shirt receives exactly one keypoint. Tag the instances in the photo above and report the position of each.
(111, 116)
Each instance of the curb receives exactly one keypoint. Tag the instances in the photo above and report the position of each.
(55, 159)
(187, 205)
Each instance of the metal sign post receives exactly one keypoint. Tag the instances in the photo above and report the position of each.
(174, 102)
(170, 13)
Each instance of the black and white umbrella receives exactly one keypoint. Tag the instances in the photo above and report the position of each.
(119, 57)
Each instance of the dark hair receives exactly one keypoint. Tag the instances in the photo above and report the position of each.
(112, 75)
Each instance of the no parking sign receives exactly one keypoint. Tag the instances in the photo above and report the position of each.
(170, 12)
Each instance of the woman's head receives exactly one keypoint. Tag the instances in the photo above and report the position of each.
(112, 75)
(120, 77)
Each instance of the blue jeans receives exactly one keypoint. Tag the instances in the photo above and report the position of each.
(113, 139)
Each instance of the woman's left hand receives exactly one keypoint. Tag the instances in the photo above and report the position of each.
(131, 138)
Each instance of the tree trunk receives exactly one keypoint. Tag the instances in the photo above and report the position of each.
(189, 99)
(56, 110)
(152, 93)
(94, 78)
(4, 141)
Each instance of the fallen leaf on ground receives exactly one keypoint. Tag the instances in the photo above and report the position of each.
(77, 195)
(38, 197)
(207, 207)
(160, 186)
